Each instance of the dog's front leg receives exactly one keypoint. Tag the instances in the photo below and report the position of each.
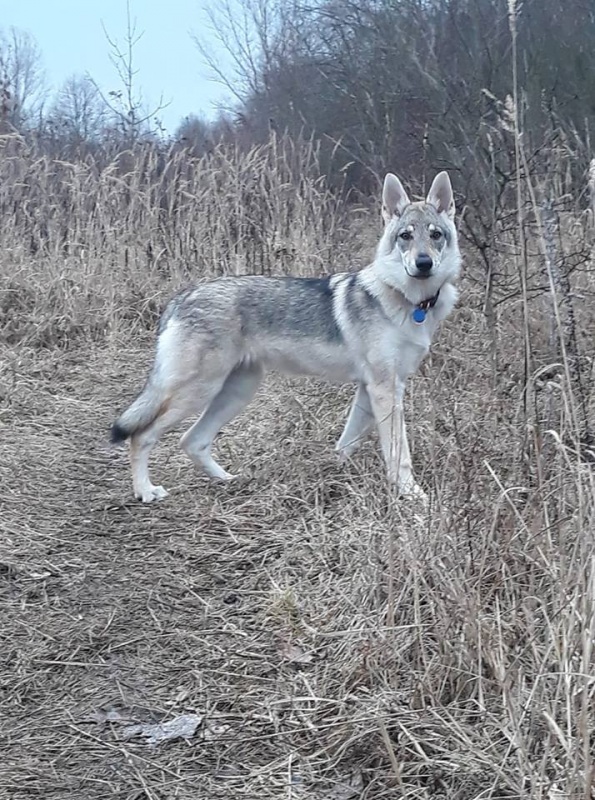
(387, 404)
(359, 422)
(407, 483)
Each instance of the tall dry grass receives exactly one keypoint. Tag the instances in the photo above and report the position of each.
(89, 244)
(444, 655)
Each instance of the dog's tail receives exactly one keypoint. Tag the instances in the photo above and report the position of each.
(138, 416)
(160, 386)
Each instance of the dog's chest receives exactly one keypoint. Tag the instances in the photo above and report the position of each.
(406, 345)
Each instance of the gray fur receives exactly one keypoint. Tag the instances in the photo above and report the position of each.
(360, 303)
(296, 307)
(217, 339)
(421, 219)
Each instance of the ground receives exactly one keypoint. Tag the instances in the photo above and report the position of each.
(329, 640)
(205, 603)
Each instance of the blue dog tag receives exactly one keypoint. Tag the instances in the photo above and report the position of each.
(418, 315)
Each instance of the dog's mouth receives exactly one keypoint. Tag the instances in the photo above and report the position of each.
(420, 276)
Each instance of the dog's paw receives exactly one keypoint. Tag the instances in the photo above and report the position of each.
(203, 459)
(151, 494)
(342, 455)
(224, 477)
(346, 452)
(410, 490)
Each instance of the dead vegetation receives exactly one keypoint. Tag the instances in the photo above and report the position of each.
(324, 640)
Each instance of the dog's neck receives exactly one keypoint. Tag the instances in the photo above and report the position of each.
(420, 312)
(393, 298)
(425, 305)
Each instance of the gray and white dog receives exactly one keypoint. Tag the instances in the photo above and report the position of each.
(372, 327)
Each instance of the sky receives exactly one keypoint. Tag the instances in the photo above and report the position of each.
(72, 41)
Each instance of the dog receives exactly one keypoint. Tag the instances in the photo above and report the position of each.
(372, 327)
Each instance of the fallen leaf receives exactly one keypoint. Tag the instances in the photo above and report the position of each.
(295, 654)
(182, 727)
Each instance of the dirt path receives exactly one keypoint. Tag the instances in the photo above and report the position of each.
(116, 613)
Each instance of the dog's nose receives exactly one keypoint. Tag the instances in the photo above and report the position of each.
(423, 263)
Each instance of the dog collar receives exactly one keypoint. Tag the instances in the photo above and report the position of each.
(420, 311)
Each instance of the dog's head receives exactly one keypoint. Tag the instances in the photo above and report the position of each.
(418, 251)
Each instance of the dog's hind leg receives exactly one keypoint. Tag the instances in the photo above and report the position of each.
(238, 390)
(141, 444)
(189, 399)
(359, 422)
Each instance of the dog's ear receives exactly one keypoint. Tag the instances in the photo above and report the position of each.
(440, 195)
(394, 198)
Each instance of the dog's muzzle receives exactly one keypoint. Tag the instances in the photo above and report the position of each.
(423, 264)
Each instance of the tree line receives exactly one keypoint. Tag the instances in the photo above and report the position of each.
(410, 85)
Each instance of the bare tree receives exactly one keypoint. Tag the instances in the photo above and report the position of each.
(380, 81)
(132, 116)
(253, 34)
(195, 134)
(79, 113)
(22, 78)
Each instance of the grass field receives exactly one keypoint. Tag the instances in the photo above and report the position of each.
(334, 642)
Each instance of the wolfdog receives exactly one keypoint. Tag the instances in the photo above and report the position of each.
(371, 327)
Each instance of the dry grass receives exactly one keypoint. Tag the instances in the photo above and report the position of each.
(107, 241)
(336, 643)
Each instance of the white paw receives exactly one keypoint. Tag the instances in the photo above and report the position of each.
(411, 490)
(151, 494)
(344, 453)
(223, 476)
(203, 459)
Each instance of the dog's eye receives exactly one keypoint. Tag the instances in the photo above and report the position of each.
(436, 234)
(406, 236)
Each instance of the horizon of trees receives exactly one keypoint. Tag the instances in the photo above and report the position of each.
(413, 84)
(78, 113)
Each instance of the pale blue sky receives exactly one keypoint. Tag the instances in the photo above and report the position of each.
(72, 40)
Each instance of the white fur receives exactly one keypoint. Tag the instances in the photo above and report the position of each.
(208, 365)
